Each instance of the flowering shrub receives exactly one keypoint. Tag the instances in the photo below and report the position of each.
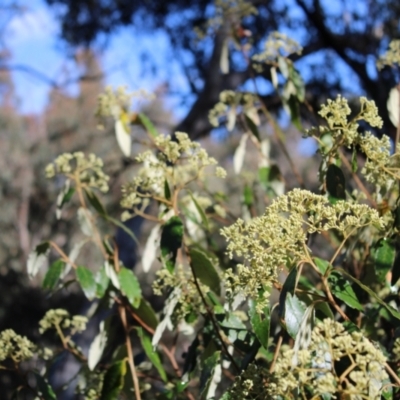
(297, 301)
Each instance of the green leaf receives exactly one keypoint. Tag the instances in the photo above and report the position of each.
(396, 217)
(335, 182)
(171, 241)
(122, 226)
(294, 313)
(204, 270)
(203, 216)
(44, 389)
(216, 304)
(396, 270)
(391, 310)
(325, 309)
(37, 258)
(354, 162)
(146, 313)
(113, 381)
(130, 286)
(64, 197)
(167, 191)
(298, 82)
(86, 280)
(322, 265)
(207, 375)
(283, 64)
(341, 289)
(383, 255)
(148, 125)
(248, 196)
(151, 354)
(260, 324)
(53, 274)
(102, 282)
(294, 111)
(253, 127)
(95, 202)
(288, 287)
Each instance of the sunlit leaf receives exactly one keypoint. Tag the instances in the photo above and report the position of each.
(342, 289)
(203, 216)
(322, 265)
(393, 106)
(274, 77)
(64, 197)
(283, 66)
(294, 314)
(208, 380)
(86, 280)
(53, 274)
(97, 347)
(102, 282)
(85, 221)
(231, 119)
(238, 157)
(169, 308)
(150, 248)
(224, 58)
(130, 286)
(37, 258)
(123, 135)
(111, 274)
(303, 335)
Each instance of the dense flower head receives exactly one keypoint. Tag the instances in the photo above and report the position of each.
(318, 367)
(318, 370)
(278, 238)
(230, 101)
(112, 102)
(391, 57)
(177, 163)
(278, 45)
(381, 167)
(182, 280)
(16, 347)
(88, 170)
(60, 318)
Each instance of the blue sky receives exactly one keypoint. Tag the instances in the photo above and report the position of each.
(32, 39)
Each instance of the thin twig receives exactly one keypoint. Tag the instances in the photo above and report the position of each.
(392, 373)
(131, 361)
(276, 353)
